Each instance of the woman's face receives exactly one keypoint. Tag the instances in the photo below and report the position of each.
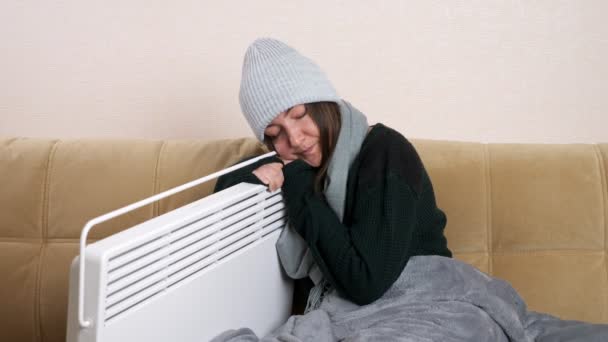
(295, 136)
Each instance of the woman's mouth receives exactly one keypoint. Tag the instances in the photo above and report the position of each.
(308, 150)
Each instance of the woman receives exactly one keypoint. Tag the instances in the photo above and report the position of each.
(358, 195)
(364, 224)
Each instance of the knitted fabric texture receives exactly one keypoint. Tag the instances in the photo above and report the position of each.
(276, 77)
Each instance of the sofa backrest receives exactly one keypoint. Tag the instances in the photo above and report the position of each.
(50, 189)
(534, 215)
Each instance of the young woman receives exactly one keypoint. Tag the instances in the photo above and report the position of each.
(364, 224)
(359, 196)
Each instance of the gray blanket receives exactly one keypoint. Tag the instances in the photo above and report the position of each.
(434, 299)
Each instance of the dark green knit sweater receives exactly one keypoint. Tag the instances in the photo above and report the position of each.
(390, 215)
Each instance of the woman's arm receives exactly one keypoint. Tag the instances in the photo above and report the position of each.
(245, 174)
(364, 258)
(392, 215)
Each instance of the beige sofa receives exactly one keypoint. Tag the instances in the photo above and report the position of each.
(535, 215)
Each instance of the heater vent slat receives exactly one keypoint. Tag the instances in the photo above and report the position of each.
(137, 265)
(191, 269)
(189, 214)
(128, 291)
(238, 220)
(136, 274)
(279, 224)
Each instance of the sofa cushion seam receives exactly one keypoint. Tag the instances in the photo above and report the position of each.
(46, 190)
(604, 188)
(156, 181)
(550, 251)
(488, 196)
(44, 232)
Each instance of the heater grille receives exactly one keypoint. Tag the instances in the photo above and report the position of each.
(144, 270)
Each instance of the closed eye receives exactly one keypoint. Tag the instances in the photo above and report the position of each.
(300, 113)
(272, 132)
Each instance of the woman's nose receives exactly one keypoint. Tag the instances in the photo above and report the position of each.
(295, 138)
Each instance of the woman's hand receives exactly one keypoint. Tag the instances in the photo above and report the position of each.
(271, 175)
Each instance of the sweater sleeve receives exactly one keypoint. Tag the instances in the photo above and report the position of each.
(363, 257)
(244, 175)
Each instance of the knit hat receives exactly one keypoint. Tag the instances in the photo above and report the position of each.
(275, 78)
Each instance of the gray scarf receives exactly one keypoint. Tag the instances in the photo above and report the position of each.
(294, 254)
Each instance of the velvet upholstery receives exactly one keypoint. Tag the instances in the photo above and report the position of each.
(535, 215)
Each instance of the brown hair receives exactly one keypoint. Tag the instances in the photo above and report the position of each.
(326, 115)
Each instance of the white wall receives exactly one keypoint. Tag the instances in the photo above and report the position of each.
(485, 70)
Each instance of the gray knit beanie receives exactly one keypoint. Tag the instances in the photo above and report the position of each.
(275, 78)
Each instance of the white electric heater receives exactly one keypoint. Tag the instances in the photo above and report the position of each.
(187, 275)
